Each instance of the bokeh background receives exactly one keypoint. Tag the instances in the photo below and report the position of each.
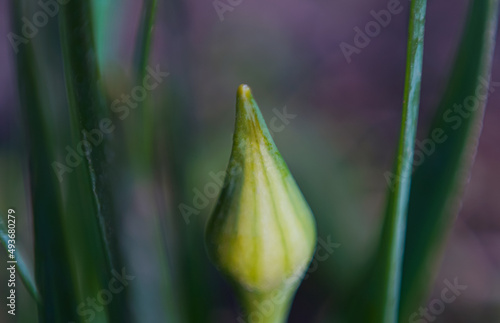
(338, 146)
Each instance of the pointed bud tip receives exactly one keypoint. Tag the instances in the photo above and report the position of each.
(244, 91)
(247, 111)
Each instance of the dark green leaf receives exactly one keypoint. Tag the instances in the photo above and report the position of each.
(52, 261)
(91, 202)
(379, 299)
(440, 179)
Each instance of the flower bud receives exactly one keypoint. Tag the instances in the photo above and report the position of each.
(262, 233)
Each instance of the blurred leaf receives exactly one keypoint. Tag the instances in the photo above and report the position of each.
(141, 135)
(86, 102)
(381, 295)
(141, 138)
(52, 260)
(176, 132)
(106, 13)
(90, 189)
(439, 181)
(24, 272)
(143, 41)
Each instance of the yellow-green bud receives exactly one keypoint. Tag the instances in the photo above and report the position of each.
(262, 233)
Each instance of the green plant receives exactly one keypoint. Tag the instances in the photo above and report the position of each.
(106, 201)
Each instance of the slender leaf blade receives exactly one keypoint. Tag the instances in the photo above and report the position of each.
(144, 35)
(377, 300)
(91, 189)
(440, 179)
(393, 232)
(25, 274)
(52, 261)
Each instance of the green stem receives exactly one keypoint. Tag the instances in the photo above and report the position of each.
(393, 233)
(377, 298)
(270, 307)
